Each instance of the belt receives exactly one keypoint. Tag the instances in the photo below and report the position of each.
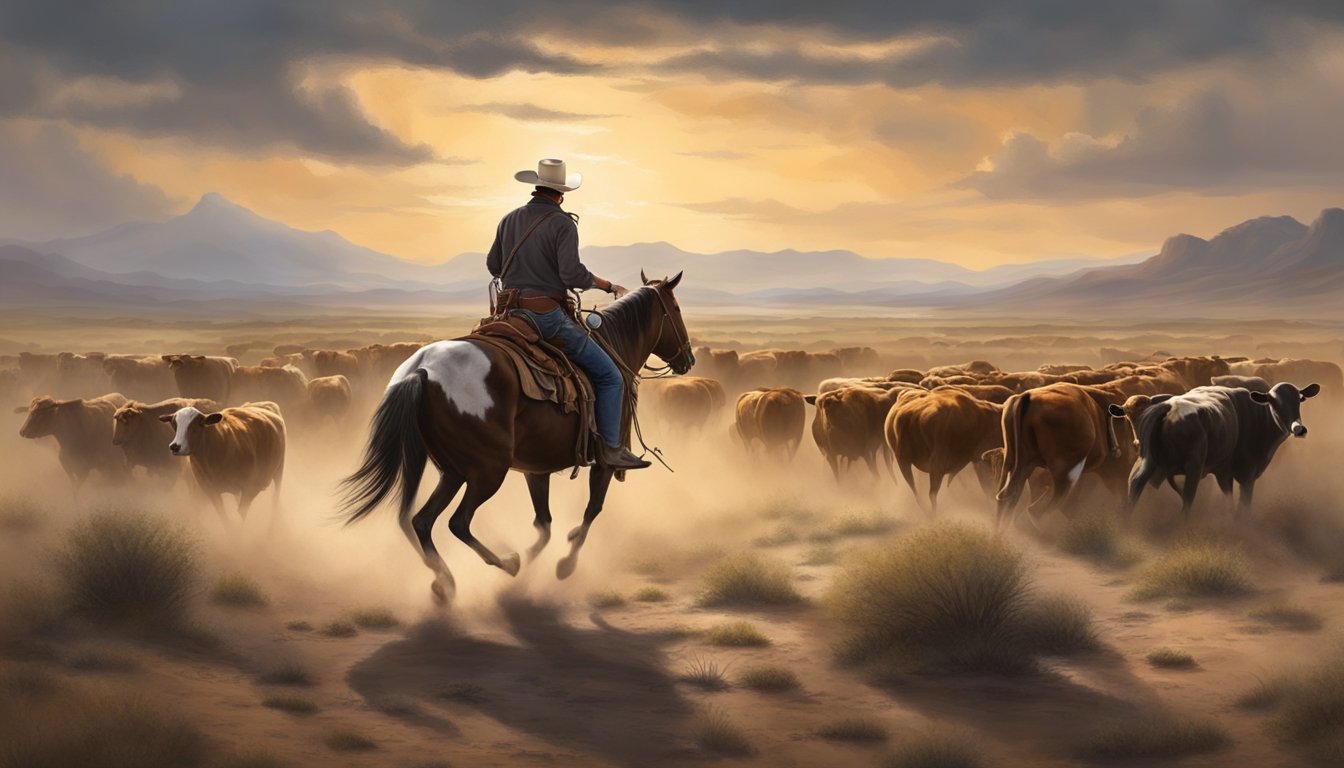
(540, 301)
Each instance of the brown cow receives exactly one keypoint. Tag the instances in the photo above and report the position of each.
(840, 382)
(772, 416)
(143, 440)
(287, 386)
(201, 376)
(144, 377)
(79, 375)
(237, 450)
(940, 432)
(848, 425)
(990, 393)
(688, 401)
(38, 370)
(1058, 369)
(972, 368)
(83, 432)
(331, 362)
(329, 397)
(1328, 375)
(1196, 371)
(1065, 428)
(1253, 383)
(907, 375)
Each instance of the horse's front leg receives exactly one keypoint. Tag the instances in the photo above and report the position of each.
(539, 488)
(599, 480)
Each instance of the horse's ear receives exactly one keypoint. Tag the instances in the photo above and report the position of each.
(673, 282)
(642, 278)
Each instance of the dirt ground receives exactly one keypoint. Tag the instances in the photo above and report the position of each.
(532, 671)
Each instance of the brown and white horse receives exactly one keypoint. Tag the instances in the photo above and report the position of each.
(459, 404)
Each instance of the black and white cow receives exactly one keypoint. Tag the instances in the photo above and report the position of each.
(1228, 432)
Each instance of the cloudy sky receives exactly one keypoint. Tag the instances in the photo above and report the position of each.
(975, 131)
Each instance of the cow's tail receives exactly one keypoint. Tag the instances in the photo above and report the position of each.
(395, 451)
(1013, 413)
(1150, 428)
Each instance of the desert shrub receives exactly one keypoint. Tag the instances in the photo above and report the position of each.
(287, 672)
(1169, 658)
(1285, 616)
(339, 628)
(652, 595)
(945, 595)
(714, 732)
(1158, 735)
(1308, 707)
(374, 618)
(1096, 535)
(705, 674)
(1060, 625)
(821, 554)
(861, 524)
(769, 678)
(349, 741)
(853, 729)
(748, 579)
(737, 634)
(937, 749)
(298, 626)
(606, 599)
(238, 591)
(782, 535)
(125, 566)
(290, 702)
(28, 609)
(1195, 570)
(1265, 695)
(75, 727)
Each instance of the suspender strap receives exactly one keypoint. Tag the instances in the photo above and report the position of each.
(514, 250)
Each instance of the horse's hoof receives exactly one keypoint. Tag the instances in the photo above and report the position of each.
(565, 568)
(510, 564)
(577, 532)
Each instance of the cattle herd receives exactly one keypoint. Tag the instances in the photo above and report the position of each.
(1130, 424)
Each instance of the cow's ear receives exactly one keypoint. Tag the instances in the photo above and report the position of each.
(673, 282)
(1116, 411)
(811, 399)
(1311, 390)
(1160, 399)
(166, 418)
(20, 409)
(213, 418)
(1261, 397)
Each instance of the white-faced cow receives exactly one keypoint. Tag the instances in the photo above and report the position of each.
(83, 432)
(237, 450)
(143, 438)
(1228, 432)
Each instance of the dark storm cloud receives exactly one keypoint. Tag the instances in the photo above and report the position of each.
(1218, 141)
(51, 185)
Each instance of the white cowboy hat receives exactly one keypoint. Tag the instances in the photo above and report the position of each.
(550, 173)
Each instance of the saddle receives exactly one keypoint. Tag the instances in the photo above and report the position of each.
(544, 372)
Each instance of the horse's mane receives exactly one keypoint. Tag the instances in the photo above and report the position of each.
(622, 321)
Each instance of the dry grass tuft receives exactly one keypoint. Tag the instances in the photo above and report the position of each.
(782, 535)
(1161, 735)
(340, 628)
(937, 749)
(953, 596)
(288, 672)
(1096, 535)
(298, 626)
(349, 741)
(770, 678)
(714, 732)
(737, 634)
(127, 567)
(375, 618)
(291, 703)
(606, 599)
(1195, 570)
(1294, 618)
(821, 554)
(748, 579)
(861, 729)
(652, 595)
(238, 591)
(874, 523)
(1169, 658)
(1308, 708)
(705, 674)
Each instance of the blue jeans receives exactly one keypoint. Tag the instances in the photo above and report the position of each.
(557, 328)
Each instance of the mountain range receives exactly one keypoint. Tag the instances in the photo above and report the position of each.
(220, 256)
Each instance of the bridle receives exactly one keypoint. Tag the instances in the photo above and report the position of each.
(683, 349)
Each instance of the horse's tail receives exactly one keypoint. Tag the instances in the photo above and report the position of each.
(395, 450)
(1013, 413)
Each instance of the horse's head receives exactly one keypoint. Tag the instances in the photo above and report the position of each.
(674, 342)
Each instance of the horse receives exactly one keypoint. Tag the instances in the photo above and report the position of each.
(459, 404)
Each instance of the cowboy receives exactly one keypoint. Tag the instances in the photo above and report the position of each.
(536, 252)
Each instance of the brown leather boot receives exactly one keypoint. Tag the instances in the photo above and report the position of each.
(617, 457)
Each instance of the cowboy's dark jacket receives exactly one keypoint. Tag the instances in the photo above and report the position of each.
(549, 260)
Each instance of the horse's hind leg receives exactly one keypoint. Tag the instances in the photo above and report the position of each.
(539, 488)
(479, 490)
(599, 480)
(419, 528)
